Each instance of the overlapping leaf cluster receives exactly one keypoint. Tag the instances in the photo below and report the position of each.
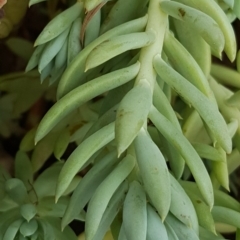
(158, 113)
(28, 209)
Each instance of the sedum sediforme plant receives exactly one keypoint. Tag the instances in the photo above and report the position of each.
(137, 91)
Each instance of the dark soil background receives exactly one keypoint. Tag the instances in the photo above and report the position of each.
(33, 23)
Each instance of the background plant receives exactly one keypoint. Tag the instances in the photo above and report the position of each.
(154, 123)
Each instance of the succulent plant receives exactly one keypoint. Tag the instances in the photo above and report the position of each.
(155, 122)
(28, 209)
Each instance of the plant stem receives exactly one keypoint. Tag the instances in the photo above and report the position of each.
(157, 23)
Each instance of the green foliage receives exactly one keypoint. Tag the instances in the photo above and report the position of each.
(28, 208)
(156, 124)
